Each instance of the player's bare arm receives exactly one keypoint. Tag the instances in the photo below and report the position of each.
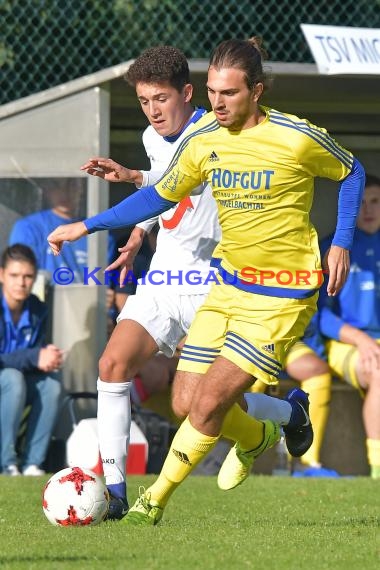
(337, 263)
(67, 232)
(111, 171)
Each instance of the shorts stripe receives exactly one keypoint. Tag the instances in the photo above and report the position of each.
(272, 362)
(186, 346)
(203, 361)
(199, 354)
(254, 361)
(250, 353)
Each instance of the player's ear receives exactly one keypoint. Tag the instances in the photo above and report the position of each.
(188, 92)
(257, 91)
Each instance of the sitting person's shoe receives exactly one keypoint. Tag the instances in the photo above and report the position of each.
(144, 511)
(33, 471)
(11, 471)
(299, 431)
(118, 508)
(303, 470)
(238, 464)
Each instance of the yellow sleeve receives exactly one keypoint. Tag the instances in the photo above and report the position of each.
(321, 155)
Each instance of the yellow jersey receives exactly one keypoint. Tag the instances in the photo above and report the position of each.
(262, 179)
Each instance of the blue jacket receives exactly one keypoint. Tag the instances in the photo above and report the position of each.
(25, 359)
(358, 303)
(33, 231)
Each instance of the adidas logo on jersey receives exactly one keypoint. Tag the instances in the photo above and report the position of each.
(213, 157)
(268, 348)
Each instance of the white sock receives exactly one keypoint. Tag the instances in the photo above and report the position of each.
(114, 425)
(263, 407)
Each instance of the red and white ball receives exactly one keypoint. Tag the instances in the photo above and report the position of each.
(75, 497)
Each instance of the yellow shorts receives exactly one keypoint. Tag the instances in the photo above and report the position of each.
(342, 359)
(255, 332)
(297, 350)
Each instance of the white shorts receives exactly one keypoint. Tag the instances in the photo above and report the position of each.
(166, 317)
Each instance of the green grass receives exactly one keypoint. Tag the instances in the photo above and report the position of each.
(266, 524)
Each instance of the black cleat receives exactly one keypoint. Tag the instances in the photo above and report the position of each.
(299, 431)
(117, 509)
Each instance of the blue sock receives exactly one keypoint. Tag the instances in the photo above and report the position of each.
(118, 490)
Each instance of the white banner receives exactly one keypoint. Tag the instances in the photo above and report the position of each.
(344, 50)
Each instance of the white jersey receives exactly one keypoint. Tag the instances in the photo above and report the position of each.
(188, 232)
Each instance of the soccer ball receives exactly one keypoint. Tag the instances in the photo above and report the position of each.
(75, 497)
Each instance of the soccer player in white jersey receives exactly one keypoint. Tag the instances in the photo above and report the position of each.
(179, 278)
(261, 166)
(160, 313)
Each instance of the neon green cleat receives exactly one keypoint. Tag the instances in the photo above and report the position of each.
(238, 464)
(144, 511)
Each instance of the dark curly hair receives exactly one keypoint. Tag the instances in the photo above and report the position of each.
(160, 64)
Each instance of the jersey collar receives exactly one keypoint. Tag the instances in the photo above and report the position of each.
(193, 119)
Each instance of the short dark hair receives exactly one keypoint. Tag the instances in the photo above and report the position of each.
(247, 55)
(371, 180)
(160, 64)
(18, 252)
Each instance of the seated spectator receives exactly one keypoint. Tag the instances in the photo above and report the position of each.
(64, 195)
(351, 320)
(27, 366)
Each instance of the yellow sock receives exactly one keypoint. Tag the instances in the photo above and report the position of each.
(241, 427)
(188, 448)
(259, 386)
(319, 390)
(373, 454)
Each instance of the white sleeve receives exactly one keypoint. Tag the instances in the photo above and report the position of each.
(148, 225)
(150, 177)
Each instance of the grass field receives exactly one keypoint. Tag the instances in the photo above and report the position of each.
(268, 523)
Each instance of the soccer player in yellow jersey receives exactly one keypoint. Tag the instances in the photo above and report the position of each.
(261, 165)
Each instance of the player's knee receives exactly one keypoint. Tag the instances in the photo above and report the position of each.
(305, 368)
(180, 406)
(319, 367)
(111, 367)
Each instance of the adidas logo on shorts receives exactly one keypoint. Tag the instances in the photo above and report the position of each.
(268, 348)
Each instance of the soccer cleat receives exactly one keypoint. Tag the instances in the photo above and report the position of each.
(144, 511)
(299, 431)
(238, 464)
(118, 508)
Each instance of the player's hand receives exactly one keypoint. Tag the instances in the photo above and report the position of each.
(337, 264)
(127, 254)
(50, 358)
(369, 353)
(109, 170)
(67, 232)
